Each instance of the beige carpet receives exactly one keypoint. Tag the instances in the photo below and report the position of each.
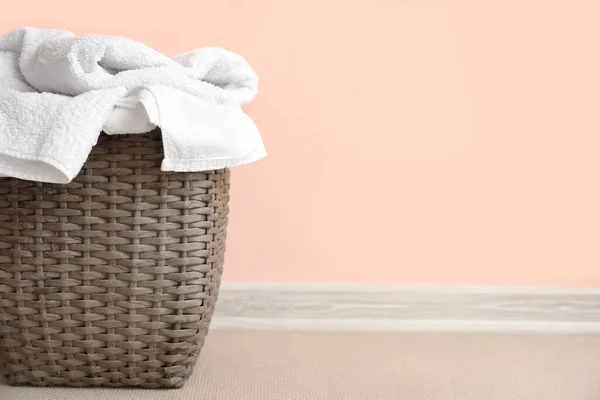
(359, 366)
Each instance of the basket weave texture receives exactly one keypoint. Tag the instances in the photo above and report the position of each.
(110, 280)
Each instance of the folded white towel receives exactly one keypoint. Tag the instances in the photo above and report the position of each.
(58, 91)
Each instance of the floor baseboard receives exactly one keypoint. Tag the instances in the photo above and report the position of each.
(383, 308)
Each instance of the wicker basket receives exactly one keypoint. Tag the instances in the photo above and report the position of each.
(110, 280)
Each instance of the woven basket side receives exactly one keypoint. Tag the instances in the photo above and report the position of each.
(110, 280)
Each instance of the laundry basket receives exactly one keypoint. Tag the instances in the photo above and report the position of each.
(110, 280)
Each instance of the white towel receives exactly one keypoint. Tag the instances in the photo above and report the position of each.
(58, 91)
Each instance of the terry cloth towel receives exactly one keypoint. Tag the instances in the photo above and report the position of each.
(58, 91)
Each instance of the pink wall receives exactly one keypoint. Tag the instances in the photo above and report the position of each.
(427, 141)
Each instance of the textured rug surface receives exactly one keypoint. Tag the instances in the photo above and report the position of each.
(258, 365)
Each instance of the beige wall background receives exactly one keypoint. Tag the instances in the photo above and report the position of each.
(410, 141)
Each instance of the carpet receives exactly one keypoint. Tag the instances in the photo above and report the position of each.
(260, 365)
